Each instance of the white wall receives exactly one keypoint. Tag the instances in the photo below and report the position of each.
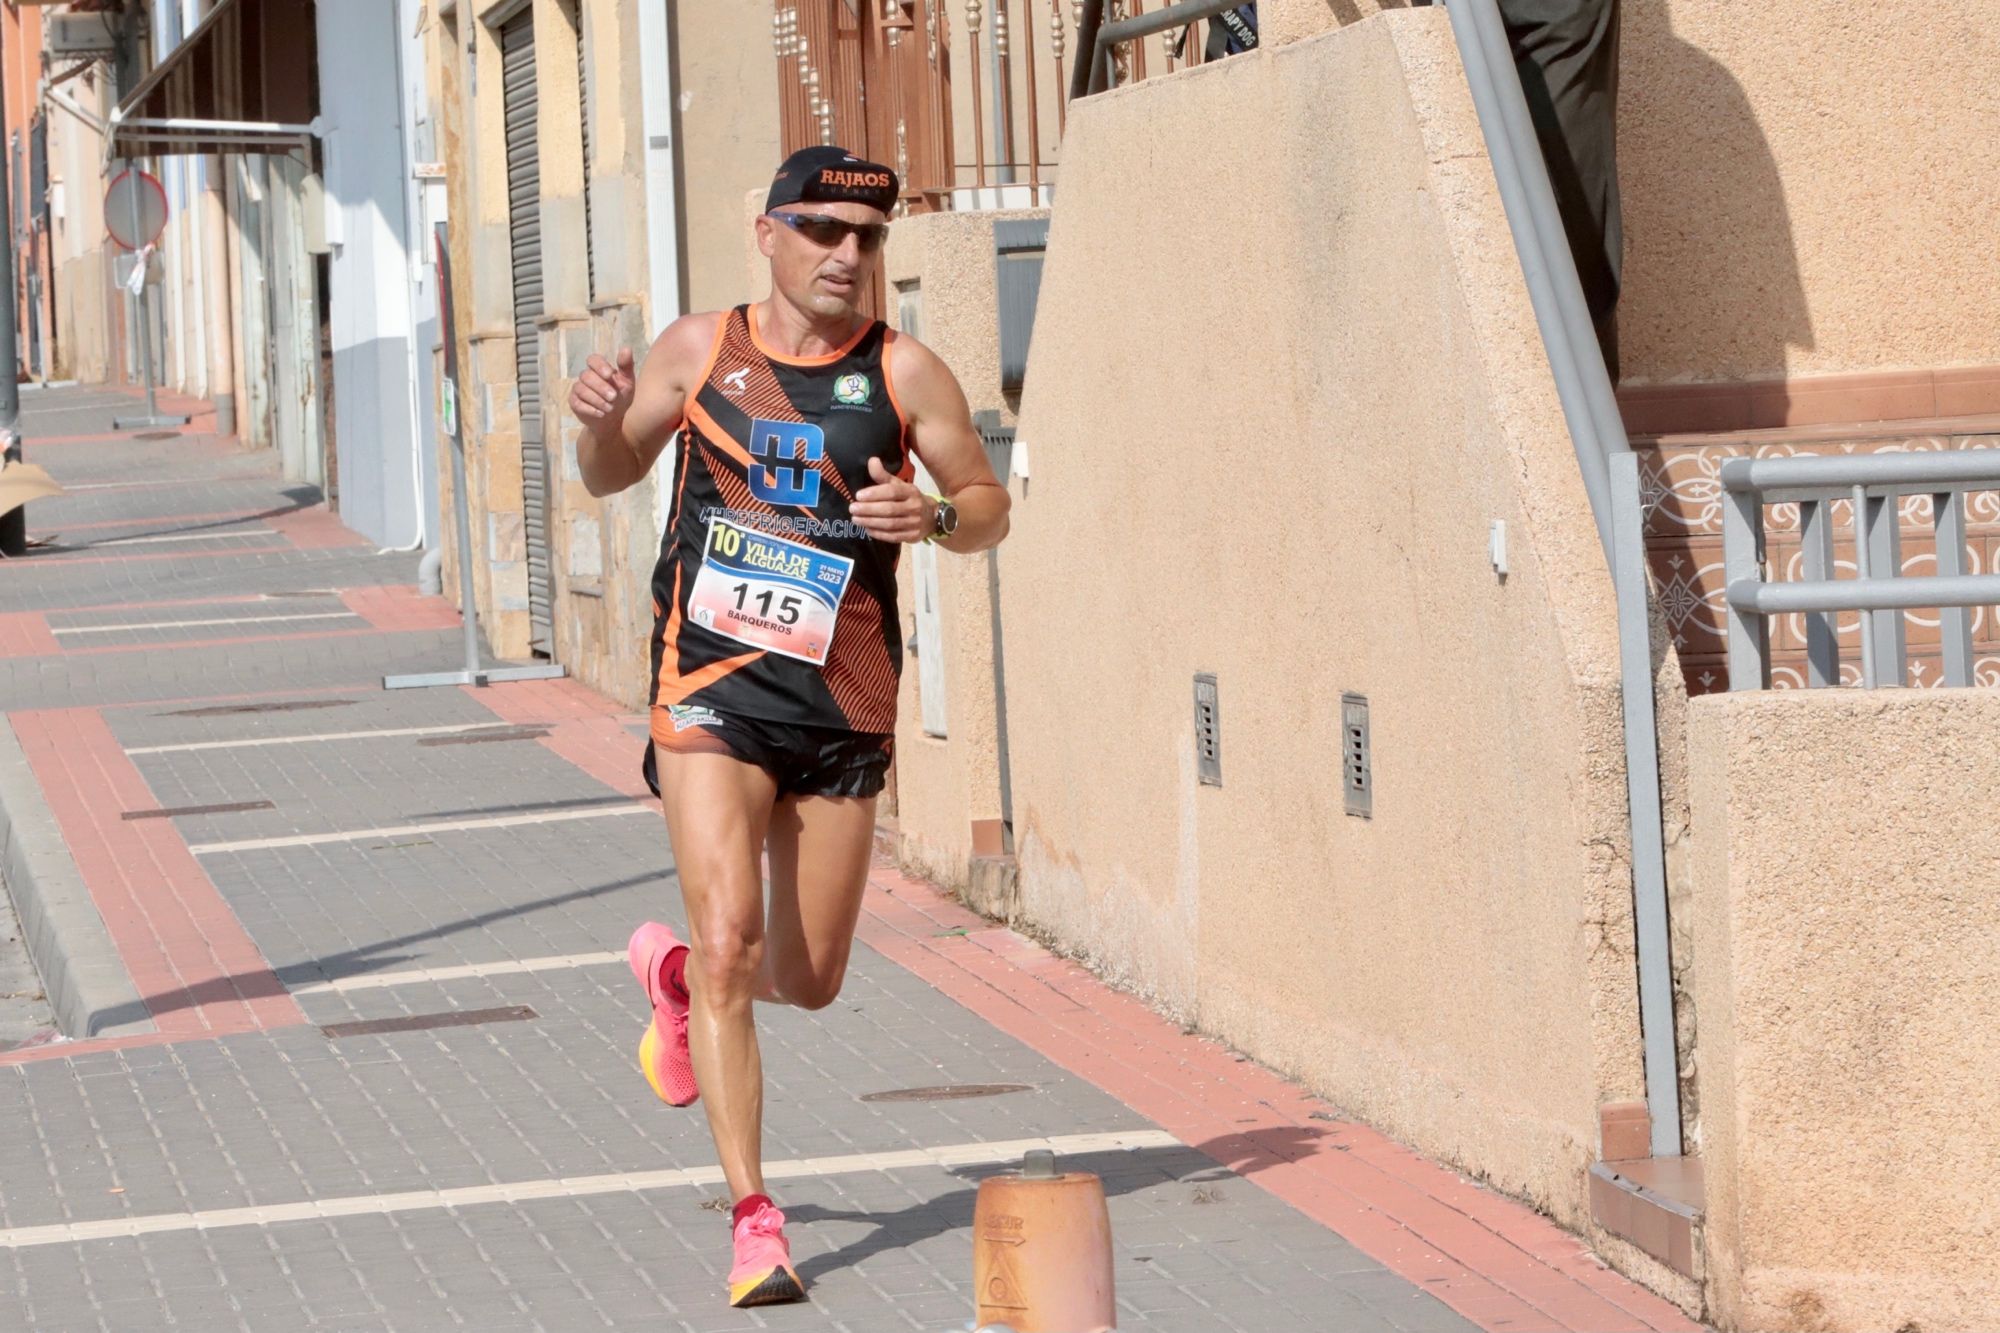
(373, 320)
(421, 144)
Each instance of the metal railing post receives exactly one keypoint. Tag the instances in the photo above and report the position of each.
(1083, 80)
(1743, 562)
(1822, 627)
(1878, 550)
(1642, 794)
(1954, 622)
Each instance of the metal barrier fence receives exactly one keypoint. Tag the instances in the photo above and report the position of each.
(1874, 486)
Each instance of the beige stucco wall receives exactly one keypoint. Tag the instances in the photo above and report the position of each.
(604, 548)
(729, 139)
(1809, 187)
(1281, 21)
(947, 785)
(1846, 861)
(1279, 464)
(84, 310)
(80, 351)
(601, 551)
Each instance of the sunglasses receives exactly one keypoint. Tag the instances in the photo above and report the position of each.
(830, 232)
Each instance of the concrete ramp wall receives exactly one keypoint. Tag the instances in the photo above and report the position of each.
(1285, 377)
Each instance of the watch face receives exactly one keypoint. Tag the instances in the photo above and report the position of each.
(948, 518)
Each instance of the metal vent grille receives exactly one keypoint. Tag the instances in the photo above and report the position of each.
(1207, 731)
(1354, 769)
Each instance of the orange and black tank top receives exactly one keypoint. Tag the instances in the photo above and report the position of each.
(769, 600)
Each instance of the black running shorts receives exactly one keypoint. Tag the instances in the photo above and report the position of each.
(803, 761)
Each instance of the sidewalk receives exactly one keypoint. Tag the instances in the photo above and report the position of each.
(367, 1033)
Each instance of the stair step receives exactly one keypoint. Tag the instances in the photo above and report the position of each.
(1655, 1203)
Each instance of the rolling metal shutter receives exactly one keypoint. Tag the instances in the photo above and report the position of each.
(524, 209)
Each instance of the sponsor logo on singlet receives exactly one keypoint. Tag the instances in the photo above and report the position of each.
(788, 525)
(851, 390)
(692, 715)
(790, 450)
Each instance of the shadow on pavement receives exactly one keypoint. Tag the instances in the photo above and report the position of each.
(361, 961)
(1121, 1172)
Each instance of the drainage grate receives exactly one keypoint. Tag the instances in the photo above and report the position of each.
(529, 733)
(953, 1092)
(1207, 731)
(456, 1018)
(1354, 768)
(232, 710)
(176, 811)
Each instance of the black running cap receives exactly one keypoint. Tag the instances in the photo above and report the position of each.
(829, 175)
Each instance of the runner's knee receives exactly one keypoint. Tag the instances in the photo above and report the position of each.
(813, 992)
(726, 958)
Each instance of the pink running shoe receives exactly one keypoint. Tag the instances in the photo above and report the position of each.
(763, 1274)
(663, 1051)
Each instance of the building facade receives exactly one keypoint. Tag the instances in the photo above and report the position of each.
(597, 156)
(290, 288)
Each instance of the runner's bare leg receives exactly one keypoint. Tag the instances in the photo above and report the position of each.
(820, 850)
(718, 813)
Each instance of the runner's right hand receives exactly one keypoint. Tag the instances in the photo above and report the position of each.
(604, 391)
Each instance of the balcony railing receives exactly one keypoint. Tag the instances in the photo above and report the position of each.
(967, 99)
(1874, 487)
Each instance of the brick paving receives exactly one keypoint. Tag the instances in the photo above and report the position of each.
(446, 852)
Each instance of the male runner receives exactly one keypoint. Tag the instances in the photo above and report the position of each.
(776, 643)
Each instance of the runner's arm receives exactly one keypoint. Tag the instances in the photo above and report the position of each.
(941, 433)
(628, 418)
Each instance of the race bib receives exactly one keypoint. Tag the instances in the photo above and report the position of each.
(779, 595)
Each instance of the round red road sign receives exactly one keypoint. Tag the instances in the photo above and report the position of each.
(135, 208)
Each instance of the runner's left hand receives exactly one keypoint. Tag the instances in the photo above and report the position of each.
(892, 510)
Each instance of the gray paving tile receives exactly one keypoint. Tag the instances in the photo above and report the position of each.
(290, 1115)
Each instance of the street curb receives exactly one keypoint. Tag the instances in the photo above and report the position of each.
(87, 985)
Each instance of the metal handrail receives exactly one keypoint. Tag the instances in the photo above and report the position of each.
(1610, 473)
(1908, 593)
(1096, 73)
(1812, 477)
(1874, 484)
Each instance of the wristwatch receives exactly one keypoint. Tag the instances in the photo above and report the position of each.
(946, 521)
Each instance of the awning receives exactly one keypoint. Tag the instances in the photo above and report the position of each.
(244, 81)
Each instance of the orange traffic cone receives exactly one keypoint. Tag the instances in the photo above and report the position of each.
(1041, 1260)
